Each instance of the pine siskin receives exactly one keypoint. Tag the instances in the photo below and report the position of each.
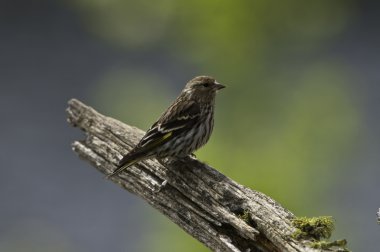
(183, 128)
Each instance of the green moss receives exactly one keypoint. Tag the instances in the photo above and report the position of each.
(245, 216)
(316, 228)
(338, 245)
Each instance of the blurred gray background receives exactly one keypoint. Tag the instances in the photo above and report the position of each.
(51, 51)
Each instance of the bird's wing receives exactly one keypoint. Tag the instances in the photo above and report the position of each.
(178, 117)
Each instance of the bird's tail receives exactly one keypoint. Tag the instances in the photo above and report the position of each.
(125, 162)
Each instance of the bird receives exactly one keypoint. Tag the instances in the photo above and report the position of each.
(182, 129)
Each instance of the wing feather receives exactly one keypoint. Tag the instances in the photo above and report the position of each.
(178, 117)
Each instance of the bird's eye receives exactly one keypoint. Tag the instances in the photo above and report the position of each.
(206, 84)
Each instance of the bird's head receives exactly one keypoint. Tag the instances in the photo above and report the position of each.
(203, 87)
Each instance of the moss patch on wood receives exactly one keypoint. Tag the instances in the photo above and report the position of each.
(245, 216)
(316, 228)
(338, 245)
(315, 231)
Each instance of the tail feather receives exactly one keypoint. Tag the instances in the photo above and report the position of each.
(124, 163)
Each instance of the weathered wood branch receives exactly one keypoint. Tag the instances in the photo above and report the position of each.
(220, 213)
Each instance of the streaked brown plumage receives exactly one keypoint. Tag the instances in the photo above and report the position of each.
(183, 128)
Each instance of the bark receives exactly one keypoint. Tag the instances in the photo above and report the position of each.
(220, 213)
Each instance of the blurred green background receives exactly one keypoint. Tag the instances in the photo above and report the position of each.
(284, 125)
(291, 123)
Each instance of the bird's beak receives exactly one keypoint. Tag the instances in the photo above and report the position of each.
(218, 86)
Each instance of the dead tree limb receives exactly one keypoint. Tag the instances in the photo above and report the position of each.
(220, 213)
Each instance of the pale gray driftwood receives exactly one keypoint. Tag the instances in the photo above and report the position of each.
(220, 213)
